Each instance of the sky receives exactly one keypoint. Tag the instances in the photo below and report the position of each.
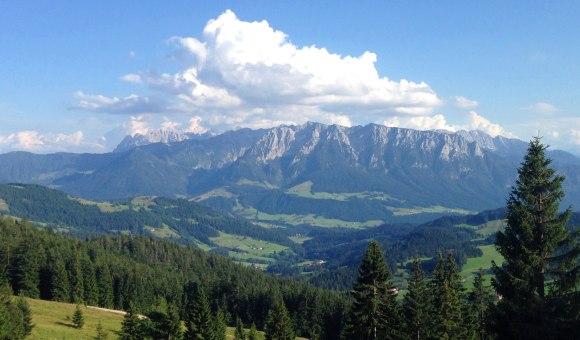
(78, 76)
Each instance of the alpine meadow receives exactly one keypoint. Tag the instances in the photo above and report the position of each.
(289, 170)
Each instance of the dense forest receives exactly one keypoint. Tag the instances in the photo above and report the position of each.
(144, 273)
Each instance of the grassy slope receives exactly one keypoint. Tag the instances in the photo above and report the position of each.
(474, 263)
(52, 321)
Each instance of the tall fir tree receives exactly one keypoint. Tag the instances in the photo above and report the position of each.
(131, 328)
(104, 285)
(539, 279)
(239, 333)
(417, 304)
(375, 313)
(253, 333)
(481, 299)
(199, 320)
(278, 324)
(447, 290)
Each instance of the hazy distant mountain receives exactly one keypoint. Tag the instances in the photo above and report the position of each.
(311, 173)
(158, 136)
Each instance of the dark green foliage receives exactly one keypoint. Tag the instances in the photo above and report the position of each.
(220, 326)
(539, 278)
(15, 317)
(131, 328)
(78, 318)
(481, 300)
(418, 305)
(447, 289)
(253, 333)
(279, 325)
(239, 333)
(375, 312)
(200, 322)
(25, 268)
(146, 270)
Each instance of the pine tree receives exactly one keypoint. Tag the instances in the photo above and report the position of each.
(447, 290)
(131, 326)
(481, 300)
(24, 308)
(25, 269)
(105, 285)
(375, 313)
(278, 324)
(417, 304)
(539, 253)
(253, 333)
(220, 327)
(59, 280)
(198, 317)
(78, 318)
(239, 334)
(174, 323)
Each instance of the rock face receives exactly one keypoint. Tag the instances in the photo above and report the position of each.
(374, 170)
(158, 136)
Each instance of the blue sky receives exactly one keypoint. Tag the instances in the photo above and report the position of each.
(78, 76)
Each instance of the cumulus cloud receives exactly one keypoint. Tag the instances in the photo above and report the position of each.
(34, 141)
(474, 121)
(542, 108)
(249, 74)
(464, 103)
(195, 126)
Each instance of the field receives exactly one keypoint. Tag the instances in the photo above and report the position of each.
(433, 210)
(52, 321)
(473, 264)
(3, 205)
(305, 190)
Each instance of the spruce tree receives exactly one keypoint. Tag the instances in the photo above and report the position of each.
(199, 320)
(278, 324)
(131, 326)
(239, 334)
(481, 299)
(447, 290)
(253, 333)
(417, 304)
(78, 318)
(539, 279)
(24, 308)
(375, 313)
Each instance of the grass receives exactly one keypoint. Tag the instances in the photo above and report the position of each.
(104, 207)
(305, 190)
(52, 321)
(436, 209)
(491, 227)
(475, 263)
(164, 232)
(247, 245)
(219, 192)
(4, 206)
(264, 185)
(310, 219)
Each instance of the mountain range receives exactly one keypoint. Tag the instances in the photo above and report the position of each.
(316, 174)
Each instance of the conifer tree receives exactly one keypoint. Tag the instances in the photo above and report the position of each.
(25, 269)
(239, 334)
(220, 327)
(198, 317)
(105, 285)
(59, 280)
(253, 333)
(481, 300)
(539, 253)
(447, 290)
(131, 326)
(174, 323)
(278, 324)
(78, 318)
(375, 313)
(24, 308)
(417, 304)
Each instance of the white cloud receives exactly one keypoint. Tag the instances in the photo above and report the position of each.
(478, 122)
(464, 103)
(137, 125)
(34, 141)
(195, 125)
(249, 74)
(439, 122)
(575, 136)
(542, 108)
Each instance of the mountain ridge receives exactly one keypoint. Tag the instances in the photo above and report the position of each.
(251, 172)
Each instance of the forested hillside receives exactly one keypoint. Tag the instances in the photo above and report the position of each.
(145, 273)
